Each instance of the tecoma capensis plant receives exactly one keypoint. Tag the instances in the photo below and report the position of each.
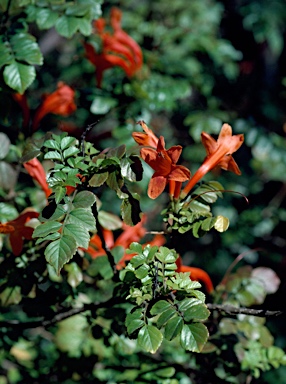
(95, 283)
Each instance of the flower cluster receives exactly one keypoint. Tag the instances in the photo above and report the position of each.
(118, 48)
(164, 162)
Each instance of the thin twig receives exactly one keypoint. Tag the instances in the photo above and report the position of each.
(232, 310)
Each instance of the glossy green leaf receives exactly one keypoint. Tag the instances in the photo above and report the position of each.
(142, 271)
(45, 229)
(60, 193)
(198, 312)
(134, 321)
(150, 338)
(160, 306)
(194, 337)
(166, 255)
(83, 218)
(71, 151)
(26, 49)
(67, 26)
(84, 199)
(60, 251)
(165, 316)
(8, 212)
(67, 142)
(19, 76)
(53, 155)
(52, 144)
(80, 234)
(46, 18)
(173, 327)
(51, 237)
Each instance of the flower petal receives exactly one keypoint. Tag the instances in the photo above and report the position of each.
(156, 186)
(179, 173)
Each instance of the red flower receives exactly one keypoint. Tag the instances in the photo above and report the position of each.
(164, 164)
(148, 139)
(60, 102)
(118, 49)
(218, 154)
(18, 230)
(36, 170)
(196, 274)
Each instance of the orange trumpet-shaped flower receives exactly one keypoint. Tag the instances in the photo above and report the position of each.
(118, 48)
(164, 164)
(36, 170)
(148, 139)
(196, 274)
(218, 154)
(61, 102)
(17, 229)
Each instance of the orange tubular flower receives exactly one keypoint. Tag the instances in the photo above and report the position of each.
(36, 170)
(218, 154)
(18, 230)
(148, 138)
(118, 49)
(196, 274)
(164, 164)
(61, 102)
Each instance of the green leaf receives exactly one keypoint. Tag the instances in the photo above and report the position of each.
(46, 18)
(8, 176)
(221, 223)
(82, 218)
(84, 199)
(80, 234)
(67, 26)
(60, 251)
(173, 327)
(66, 142)
(19, 76)
(109, 221)
(53, 155)
(198, 312)
(150, 338)
(165, 316)
(8, 212)
(71, 151)
(5, 54)
(74, 274)
(160, 306)
(142, 271)
(165, 372)
(26, 49)
(134, 321)
(102, 105)
(98, 179)
(60, 193)
(10, 296)
(52, 144)
(166, 255)
(194, 337)
(45, 229)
